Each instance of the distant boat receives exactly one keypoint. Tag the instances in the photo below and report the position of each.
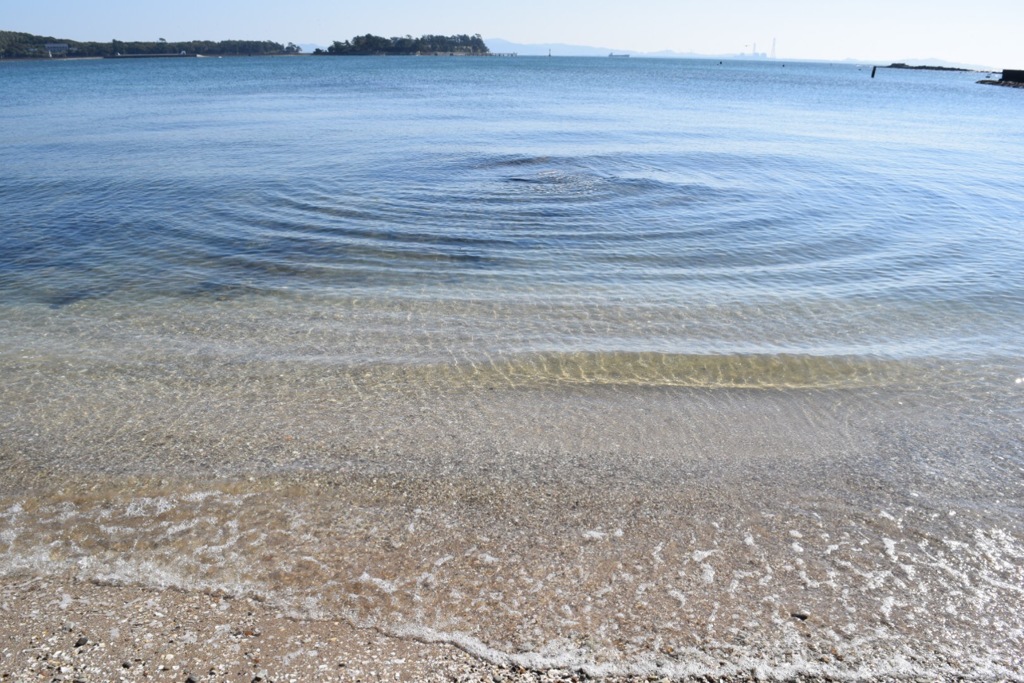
(612, 54)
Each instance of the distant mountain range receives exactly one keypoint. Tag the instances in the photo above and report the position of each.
(566, 50)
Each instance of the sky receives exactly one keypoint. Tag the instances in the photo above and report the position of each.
(983, 32)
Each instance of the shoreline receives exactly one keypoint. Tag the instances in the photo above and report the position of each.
(129, 633)
(1004, 84)
(60, 628)
(624, 531)
(746, 538)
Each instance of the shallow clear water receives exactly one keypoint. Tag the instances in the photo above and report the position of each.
(760, 208)
(599, 332)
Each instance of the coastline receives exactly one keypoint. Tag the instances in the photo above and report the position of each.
(1005, 84)
(64, 629)
(618, 532)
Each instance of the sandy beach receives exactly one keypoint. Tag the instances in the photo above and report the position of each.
(614, 533)
(66, 630)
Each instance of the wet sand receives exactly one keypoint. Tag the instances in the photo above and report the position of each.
(615, 531)
(62, 629)
(67, 630)
(138, 634)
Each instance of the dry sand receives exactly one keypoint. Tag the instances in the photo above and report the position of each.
(135, 634)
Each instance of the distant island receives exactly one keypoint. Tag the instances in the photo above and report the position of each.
(901, 65)
(424, 45)
(14, 45)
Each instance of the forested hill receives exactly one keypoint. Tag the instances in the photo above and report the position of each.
(15, 45)
(424, 45)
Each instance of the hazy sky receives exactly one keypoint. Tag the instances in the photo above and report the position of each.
(984, 32)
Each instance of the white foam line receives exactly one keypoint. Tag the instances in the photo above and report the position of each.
(698, 664)
(745, 667)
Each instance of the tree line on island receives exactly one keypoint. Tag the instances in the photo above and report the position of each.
(407, 45)
(14, 45)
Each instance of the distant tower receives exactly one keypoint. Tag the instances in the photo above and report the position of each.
(754, 53)
(773, 48)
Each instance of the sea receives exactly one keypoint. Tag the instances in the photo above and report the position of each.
(637, 367)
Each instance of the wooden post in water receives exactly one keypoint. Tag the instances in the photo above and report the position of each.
(873, 70)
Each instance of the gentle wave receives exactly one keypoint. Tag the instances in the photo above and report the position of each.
(559, 595)
(630, 366)
(639, 369)
(673, 228)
